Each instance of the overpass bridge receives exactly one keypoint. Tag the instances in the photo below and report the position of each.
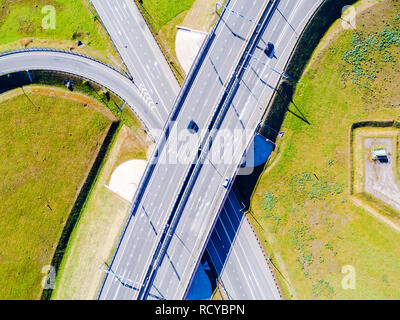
(153, 210)
(125, 87)
(253, 88)
(181, 193)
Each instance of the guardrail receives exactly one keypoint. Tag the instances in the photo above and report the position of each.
(14, 51)
(256, 129)
(162, 140)
(195, 168)
(173, 115)
(235, 85)
(21, 51)
(160, 43)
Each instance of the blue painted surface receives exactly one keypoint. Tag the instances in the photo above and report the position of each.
(201, 286)
(258, 152)
(224, 233)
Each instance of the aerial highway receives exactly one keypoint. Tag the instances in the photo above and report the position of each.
(127, 29)
(172, 219)
(140, 53)
(138, 250)
(53, 60)
(206, 196)
(151, 88)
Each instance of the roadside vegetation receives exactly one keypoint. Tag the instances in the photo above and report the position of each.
(163, 16)
(302, 208)
(21, 27)
(87, 88)
(48, 143)
(106, 103)
(99, 227)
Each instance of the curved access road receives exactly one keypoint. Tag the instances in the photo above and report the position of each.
(88, 68)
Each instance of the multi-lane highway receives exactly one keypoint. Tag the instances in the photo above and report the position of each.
(236, 255)
(151, 263)
(137, 253)
(95, 71)
(123, 21)
(151, 89)
(207, 195)
(140, 53)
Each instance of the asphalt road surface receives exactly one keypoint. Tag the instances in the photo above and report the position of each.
(100, 73)
(145, 229)
(127, 28)
(86, 68)
(141, 54)
(208, 194)
(142, 235)
(238, 258)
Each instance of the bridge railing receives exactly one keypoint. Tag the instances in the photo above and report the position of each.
(21, 51)
(179, 100)
(257, 127)
(15, 51)
(216, 120)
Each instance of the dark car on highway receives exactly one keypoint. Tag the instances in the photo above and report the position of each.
(193, 127)
(270, 50)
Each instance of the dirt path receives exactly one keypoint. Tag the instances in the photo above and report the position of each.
(375, 213)
(201, 15)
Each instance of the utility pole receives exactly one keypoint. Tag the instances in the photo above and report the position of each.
(120, 109)
(29, 75)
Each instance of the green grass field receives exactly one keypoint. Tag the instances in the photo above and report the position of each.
(47, 146)
(163, 11)
(305, 217)
(21, 26)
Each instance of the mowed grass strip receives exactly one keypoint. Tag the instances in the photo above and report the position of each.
(47, 146)
(98, 230)
(21, 26)
(163, 11)
(302, 203)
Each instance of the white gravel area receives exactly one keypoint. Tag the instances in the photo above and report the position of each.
(125, 179)
(380, 179)
(187, 44)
